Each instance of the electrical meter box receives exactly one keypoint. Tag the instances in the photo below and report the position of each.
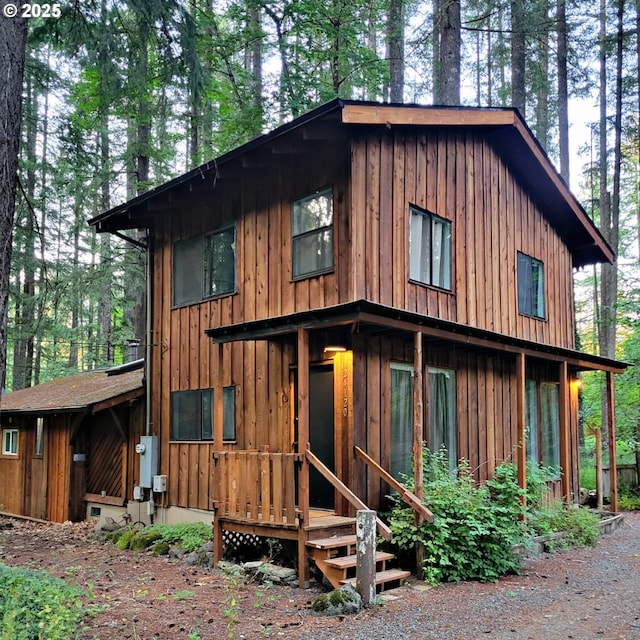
(159, 484)
(148, 450)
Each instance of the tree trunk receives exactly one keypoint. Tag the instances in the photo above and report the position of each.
(13, 36)
(448, 82)
(542, 90)
(395, 50)
(518, 93)
(563, 92)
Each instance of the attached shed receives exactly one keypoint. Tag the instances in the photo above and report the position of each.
(69, 442)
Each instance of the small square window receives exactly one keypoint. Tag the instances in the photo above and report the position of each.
(9, 442)
(312, 234)
(530, 286)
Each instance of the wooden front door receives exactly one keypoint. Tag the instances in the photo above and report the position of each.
(321, 434)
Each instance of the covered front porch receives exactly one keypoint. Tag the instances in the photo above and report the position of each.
(339, 378)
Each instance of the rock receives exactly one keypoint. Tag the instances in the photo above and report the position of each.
(338, 602)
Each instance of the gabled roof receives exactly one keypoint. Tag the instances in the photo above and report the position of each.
(503, 128)
(82, 393)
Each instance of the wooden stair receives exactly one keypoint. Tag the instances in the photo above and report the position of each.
(335, 556)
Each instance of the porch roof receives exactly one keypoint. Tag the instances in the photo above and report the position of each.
(82, 393)
(361, 314)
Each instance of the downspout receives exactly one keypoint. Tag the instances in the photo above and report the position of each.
(148, 338)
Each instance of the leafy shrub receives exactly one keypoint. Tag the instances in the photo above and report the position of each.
(36, 606)
(629, 497)
(582, 527)
(188, 535)
(474, 528)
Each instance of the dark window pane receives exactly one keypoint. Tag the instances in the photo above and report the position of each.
(221, 262)
(401, 421)
(313, 252)
(530, 286)
(312, 234)
(187, 270)
(186, 415)
(207, 414)
(229, 413)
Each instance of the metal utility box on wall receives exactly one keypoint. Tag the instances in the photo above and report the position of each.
(148, 450)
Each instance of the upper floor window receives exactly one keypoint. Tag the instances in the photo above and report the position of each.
(312, 234)
(192, 414)
(429, 248)
(220, 262)
(9, 442)
(530, 286)
(204, 266)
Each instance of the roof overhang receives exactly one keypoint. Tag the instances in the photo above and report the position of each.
(363, 315)
(504, 128)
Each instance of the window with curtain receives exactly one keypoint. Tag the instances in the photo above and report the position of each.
(429, 248)
(312, 234)
(543, 423)
(442, 416)
(531, 426)
(401, 420)
(530, 286)
(550, 419)
(442, 413)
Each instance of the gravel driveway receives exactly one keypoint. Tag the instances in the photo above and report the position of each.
(583, 594)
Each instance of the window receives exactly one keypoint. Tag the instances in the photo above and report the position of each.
(442, 413)
(312, 234)
(192, 414)
(401, 421)
(442, 420)
(204, 266)
(220, 261)
(39, 450)
(543, 423)
(429, 249)
(9, 442)
(530, 286)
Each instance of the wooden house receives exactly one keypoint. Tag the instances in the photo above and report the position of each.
(69, 444)
(363, 279)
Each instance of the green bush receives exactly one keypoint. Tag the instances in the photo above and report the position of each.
(188, 535)
(474, 528)
(36, 606)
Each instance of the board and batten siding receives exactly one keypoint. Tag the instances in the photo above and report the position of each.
(455, 174)
(460, 177)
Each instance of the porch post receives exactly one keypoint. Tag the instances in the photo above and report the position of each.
(218, 416)
(418, 437)
(303, 445)
(565, 462)
(611, 423)
(218, 410)
(521, 423)
(418, 416)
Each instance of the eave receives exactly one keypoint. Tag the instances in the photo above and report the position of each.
(364, 313)
(503, 128)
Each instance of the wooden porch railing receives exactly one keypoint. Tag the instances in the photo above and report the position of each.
(255, 486)
(383, 530)
(407, 496)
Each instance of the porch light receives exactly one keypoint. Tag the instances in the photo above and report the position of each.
(334, 348)
(577, 380)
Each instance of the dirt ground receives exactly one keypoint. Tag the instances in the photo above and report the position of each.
(582, 594)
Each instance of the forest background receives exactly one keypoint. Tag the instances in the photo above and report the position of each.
(122, 95)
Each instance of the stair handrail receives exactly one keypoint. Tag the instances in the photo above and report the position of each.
(383, 529)
(407, 496)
